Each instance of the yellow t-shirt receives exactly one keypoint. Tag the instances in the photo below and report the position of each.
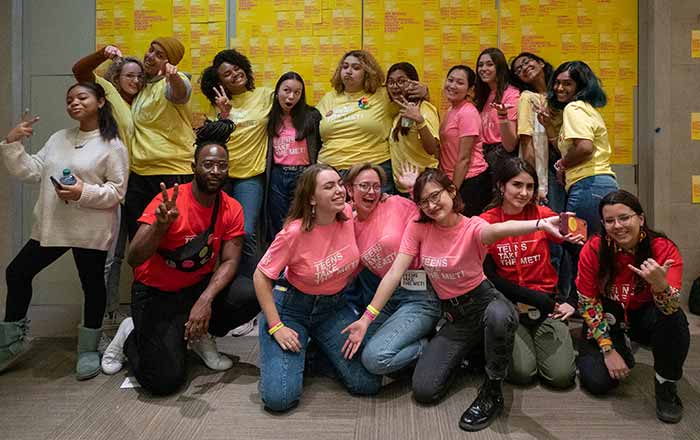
(582, 121)
(163, 137)
(121, 110)
(409, 148)
(353, 132)
(247, 148)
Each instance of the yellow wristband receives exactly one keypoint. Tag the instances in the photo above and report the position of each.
(372, 310)
(274, 329)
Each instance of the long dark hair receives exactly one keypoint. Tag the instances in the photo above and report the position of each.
(210, 76)
(481, 89)
(505, 171)
(588, 86)
(607, 249)
(435, 175)
(515, 79)
(412, 74)
(298, 113)
(213, 133)
(108, 125)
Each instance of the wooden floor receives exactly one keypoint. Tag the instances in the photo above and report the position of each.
(40, 399)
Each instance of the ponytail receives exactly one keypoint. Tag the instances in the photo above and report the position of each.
(109, 129)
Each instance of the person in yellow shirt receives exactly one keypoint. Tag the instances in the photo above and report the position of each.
(122, 81)
(162, 147)
(415, 132)
(229, 85)
(357, 115)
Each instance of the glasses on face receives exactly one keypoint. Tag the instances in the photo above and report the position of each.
(366, 187)
(209, 165)
(133, 76)
(433, 198)
(624, 220)
(401, 82)
(519, 69)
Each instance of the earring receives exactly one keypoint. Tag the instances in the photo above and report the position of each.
(313, 211)
(609, 240)
(642, 235)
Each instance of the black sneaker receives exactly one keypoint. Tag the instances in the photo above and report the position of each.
(485, 408)
(669, 407)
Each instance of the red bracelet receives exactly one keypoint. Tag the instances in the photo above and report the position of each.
(269, 326)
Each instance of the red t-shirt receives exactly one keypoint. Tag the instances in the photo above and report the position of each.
(192, 221)
(524, 260)
(624, 289)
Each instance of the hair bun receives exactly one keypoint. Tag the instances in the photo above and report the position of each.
(215, 132)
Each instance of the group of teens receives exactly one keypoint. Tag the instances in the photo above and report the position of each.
(396, 242)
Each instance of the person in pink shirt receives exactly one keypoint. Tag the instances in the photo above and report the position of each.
(293, 144)
(461, 154)
(317, 252)
(451, 249)
(497, 101)
(397, 336)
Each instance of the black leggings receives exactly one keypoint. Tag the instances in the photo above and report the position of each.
(156, 348)
(33, 258)
(476, 192)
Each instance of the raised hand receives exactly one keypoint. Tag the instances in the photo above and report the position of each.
(167, 212)
(112, 52)
(416, 90)
(408, 173)
(409, 110)
(23, 129)
(653, 273)
(501, 109)
(222, 102)
(356, 333)
(544, 116)
(169, 71)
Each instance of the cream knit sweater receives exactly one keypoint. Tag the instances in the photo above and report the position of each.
(89, 222)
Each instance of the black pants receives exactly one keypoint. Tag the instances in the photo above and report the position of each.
(33, 258)
(495, 154)
(668, 336)
(156, 348)
(476, 192)
(139, 193)
(484, 315)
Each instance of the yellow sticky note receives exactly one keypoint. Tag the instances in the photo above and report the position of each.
(696, 189)
(695, 44)
(695, 126)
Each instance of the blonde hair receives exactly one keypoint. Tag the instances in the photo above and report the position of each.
(374, 75)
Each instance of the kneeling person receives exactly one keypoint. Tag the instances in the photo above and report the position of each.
(175, 297)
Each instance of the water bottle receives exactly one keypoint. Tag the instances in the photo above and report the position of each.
(67, 179)
(406, 122)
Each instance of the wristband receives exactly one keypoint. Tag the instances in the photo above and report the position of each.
(369, 315)
(372, 310)
(275, 328)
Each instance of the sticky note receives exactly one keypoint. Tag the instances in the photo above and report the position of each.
(696, 189)
(695, 44)
(695, 126)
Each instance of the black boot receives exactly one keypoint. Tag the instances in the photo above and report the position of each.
(669, 407)
(485, 408)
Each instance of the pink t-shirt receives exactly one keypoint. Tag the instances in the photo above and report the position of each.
(379, 235)
(461, 121)
(490, 133)
(318, 262)
(286, 149)
(452, 257)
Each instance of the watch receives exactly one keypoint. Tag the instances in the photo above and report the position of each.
(606, 349)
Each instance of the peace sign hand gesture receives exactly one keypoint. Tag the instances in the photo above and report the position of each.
(167, 212)
(222, 102)
(410, 110)
(653, 273)
(23, 129)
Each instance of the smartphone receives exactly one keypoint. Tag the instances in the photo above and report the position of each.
(570, 224)
(55, 182)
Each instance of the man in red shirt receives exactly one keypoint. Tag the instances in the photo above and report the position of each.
(179, 295)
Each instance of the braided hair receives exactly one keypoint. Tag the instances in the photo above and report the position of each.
(213, 133)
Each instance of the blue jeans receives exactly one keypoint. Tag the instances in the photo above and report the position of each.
(584, 199)
(398, 336)
(283, 181)
(321, 318)
(249, 193)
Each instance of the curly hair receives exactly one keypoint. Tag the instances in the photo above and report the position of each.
(213, 133)
(115, 69)
(374, 75)
(210, 75)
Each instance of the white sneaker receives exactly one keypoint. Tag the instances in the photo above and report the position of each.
(113, 320)
(113, 358)
(205, 347)
(244, 329)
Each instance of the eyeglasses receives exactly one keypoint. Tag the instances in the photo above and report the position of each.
(519, 69)
(365, 187)
(209, 165)
(433, 198)
(400, 82)
(133, 76)
(624, 220)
